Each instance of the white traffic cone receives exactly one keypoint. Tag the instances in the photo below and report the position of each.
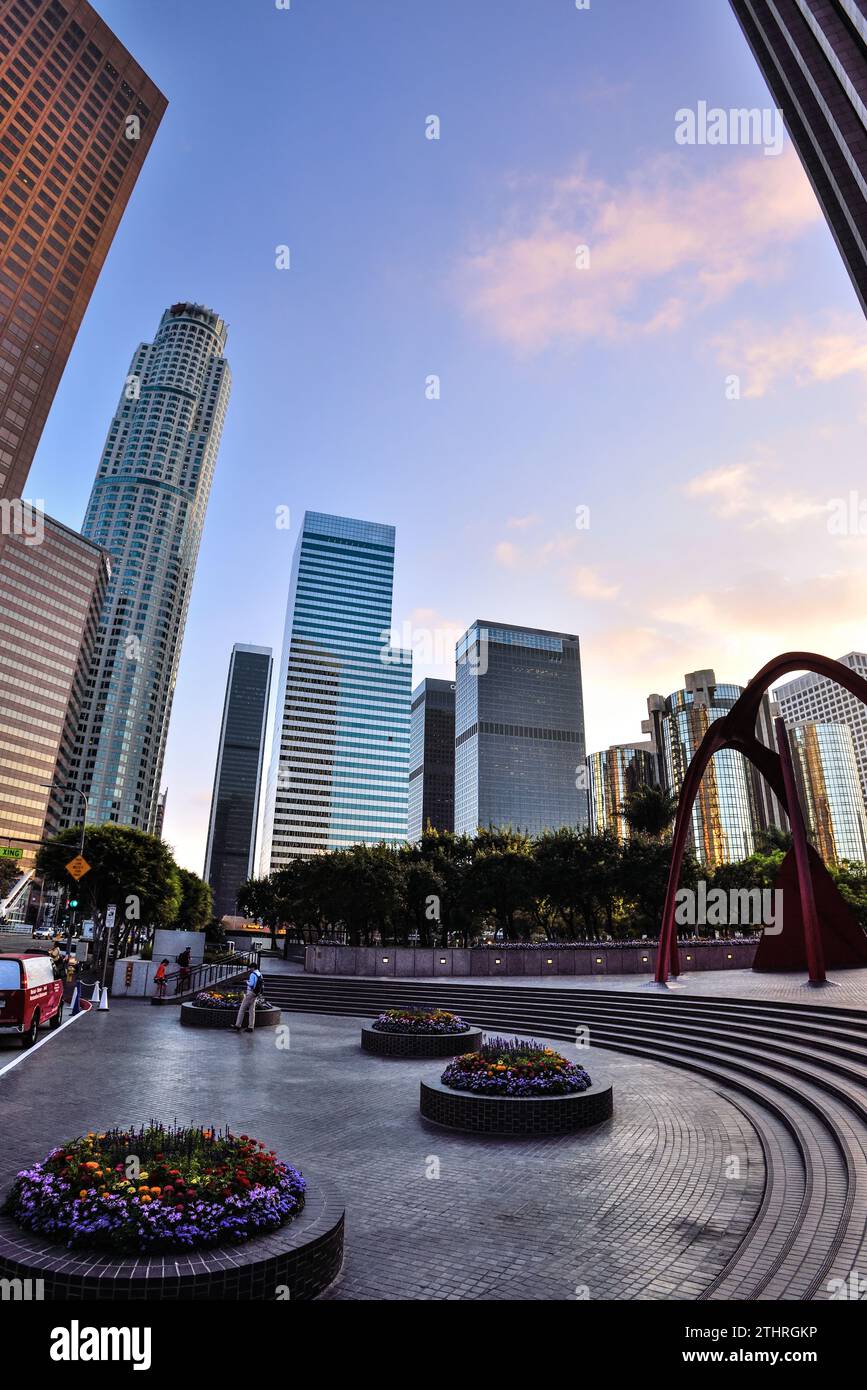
(103, 1003)
(94, 998)
(75, 1006)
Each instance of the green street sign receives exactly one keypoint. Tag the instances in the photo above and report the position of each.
(9, 852)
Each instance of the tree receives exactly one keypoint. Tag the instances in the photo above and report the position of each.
(257, 900)
(367, 892)
(559, 855)
(644, 870)
(649, 811)
(424, 888)
(197, 902)
(128, 867)
(501, 881)
(770, 840)
(10, 872)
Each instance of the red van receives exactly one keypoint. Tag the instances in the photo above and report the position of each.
(29, 995)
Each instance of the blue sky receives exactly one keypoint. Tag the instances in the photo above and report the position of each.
(560, 388)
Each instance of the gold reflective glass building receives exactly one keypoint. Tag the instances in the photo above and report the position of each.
(830, 791)
(613, 774)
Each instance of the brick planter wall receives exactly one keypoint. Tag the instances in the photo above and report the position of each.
(515, 1116)
(304, 1256)
(420, 1044)
(192, 1016)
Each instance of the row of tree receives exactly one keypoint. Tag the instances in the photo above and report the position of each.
(563, 885)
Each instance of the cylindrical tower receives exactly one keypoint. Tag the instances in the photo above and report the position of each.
(147, 508)
(830, 791)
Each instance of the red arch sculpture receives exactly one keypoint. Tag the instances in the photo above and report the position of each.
(737, 730)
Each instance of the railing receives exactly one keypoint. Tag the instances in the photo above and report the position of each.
(180, 984)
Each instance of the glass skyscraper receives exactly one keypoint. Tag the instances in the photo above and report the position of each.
(519, 730)
(830, 791)
(340, 747)
(726, 814)
(815, 699)
(432, 758)
(613, 775)
(235, 802)
(147, 508)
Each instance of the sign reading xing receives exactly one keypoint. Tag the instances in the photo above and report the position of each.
(10, 852)
(78, 867)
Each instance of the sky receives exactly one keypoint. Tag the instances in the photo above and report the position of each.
(641, 441)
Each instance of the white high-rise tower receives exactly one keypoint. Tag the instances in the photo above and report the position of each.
(147, 508)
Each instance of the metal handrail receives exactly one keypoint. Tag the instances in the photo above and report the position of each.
(198, 977)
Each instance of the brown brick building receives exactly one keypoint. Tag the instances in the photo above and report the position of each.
(52, 588)
(813, 54)
(77, 117)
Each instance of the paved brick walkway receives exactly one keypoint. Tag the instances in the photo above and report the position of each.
(639, 1208)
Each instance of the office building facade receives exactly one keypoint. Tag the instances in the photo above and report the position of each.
(830, 791)
(51, 596)
(77, 116)
(728, 810)
(815, 699)
(148, 508)
(340, 746)
(519, 730)
(432, 758)
(813, 54)
(612, 776)
(237, 780)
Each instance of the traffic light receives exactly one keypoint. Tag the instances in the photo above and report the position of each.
(73, 902)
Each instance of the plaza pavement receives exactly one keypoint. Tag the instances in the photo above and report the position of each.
(639, 1208)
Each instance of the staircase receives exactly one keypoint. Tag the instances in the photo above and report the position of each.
(798, 1072)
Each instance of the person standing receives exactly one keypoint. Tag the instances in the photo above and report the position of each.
(183, 961)
(255, 988)
(160, 978)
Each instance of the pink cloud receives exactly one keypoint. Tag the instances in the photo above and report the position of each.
(662, 245)
(798, 351)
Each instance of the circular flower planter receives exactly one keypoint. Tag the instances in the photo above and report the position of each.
(169, 1212)
(298, 1262)
(515, 1116)
(194, 1016)
(383, 1044)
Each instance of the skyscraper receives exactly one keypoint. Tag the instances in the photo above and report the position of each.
(519, 730)
(51, 596)
(813, 54)
(340, 747)
(815, 699)
(829, 791)
(78, 116)
(147, 508)
(728, 810)
(235, 802)
(613, 774)
(432, 758)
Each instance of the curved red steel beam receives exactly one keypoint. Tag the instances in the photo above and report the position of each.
(666, 955)
(737, 730)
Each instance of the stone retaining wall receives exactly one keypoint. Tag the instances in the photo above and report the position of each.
(405, 962)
